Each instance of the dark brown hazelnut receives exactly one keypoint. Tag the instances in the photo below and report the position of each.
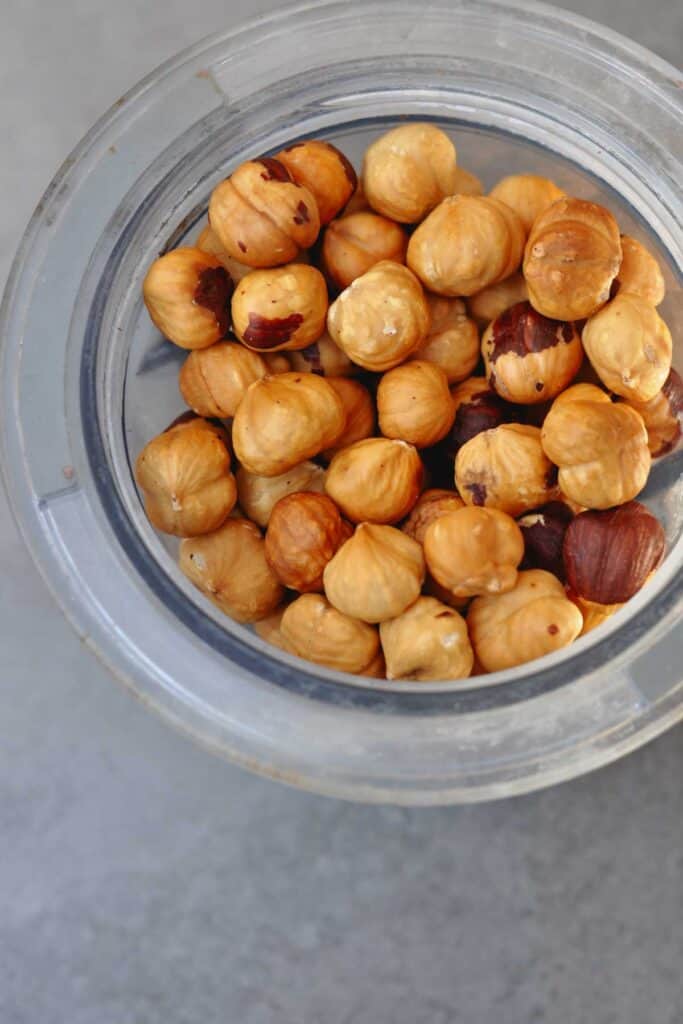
(477, 408)
(543, 532)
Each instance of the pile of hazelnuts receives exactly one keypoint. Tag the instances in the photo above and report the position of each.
(411, 501)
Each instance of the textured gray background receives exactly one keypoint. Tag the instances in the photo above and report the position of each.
(143, 882)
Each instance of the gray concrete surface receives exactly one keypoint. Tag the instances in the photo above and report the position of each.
(143, 882)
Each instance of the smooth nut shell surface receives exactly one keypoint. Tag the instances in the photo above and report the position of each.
(280, 308)
(474, 551)
(505, 468)
(663, 416)
(528, 195)
(408, 170)
(453, 339)
(304, 532)
(213, 380)
(355, 243)
(325, 172)
(313, 629)
(427, 642)
(640, 272)
(258, 495)
(376, 480)
(187, 293)
(431, 505)
(414, 403)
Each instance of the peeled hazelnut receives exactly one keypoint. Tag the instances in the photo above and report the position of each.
(433, 589)
(213, 380)
(209, 241)
(230, 568)
(258, 495)
(427, 642)
(533, 619)
(474, 551)
(377, 668)
(355, 243)
(629, 347)
(543, 532)
(376, 574)
(489, 303)
(187, 293)
(381, 318)
(376, 480)
(505, 468)
(414, 403)
(316, 631)
(477, 408)
(280, 308)
(572, 256)
(304, 531)
(357, 202)
(431, 505)
(600, 447)
(609, 555)
(528, 195)
(529, 358)
(261, 217)
(185, 478)
(408, 171)
(662, 416)
(453, 339)
(277, 362)
(268, 628)
(324, 171)
(594, 615)
(323, 357)
(466, 244)
(639, 272)
(360, 413)
(466, 183)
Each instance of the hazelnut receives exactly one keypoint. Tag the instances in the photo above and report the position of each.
(505, 468)
(316, 631)
(629, 347)
(474, 551)
(184, 475)
(477, 408)
(594, 615)
(662, 416)
(357, 202)
(532, 619)
(284, 420)
(268, 628)
(277, 362)
(377, 668)
(381, 318)
(304, 531)
(408, 171)
(213, 380)
(280, 308)
(360, 413)
(529, 358)
(572, 256)
(609, 555)
(600, 447)
(187, 293)
(427, 642)
(258, 495)
(355, 243)
(414, 403)
(376, 480)
(261, 216)
(431, 505)
(489, 303)
(466, 183)
(323, 357)
(543, 532)
(528, 195)
(324, 171)
(453, 339)
(229, 566)
(640, 272)
(376, 574)
(466, 244)
(208, 241)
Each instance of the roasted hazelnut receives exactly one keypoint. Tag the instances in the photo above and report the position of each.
(304, 531)
(284, 420)
(408, 171)
(629, 347)
(268, 628)
(314, 630)
(431, 505)
(662, 416)
(453, 339)
(433, 589)
(381, 318)
(355, 243)
(184, 475)
(466, 244)
(323, 357)
(528, 195)
(213, 380)
(640, 272)
(187, 293)
(571, 258)
(277, 362)
(489, 303)
(505, 468)
(543, 532)
(258, 495)
(360, 413)
(229, 566)
(474, 551)
(377, 480)
(280, 308)
(376, 574)
(529, 358)
(594, 615)
(324, 171)
(532, 619)
(414, 403)
(609, 555)
(427, 642)
(466, 183)
(261, 216)
(477, 408)
(209, 241)
(357, 202)
(600, 447)
(377, 668)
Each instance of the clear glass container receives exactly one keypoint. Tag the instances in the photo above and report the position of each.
(85, 381)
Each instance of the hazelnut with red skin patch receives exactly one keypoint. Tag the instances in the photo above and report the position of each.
(187, 293)
(543, 532)
(324, 171)
(283, 308)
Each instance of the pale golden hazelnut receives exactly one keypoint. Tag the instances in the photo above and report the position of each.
(277, 362)
(261, 216)
(600, 447)
(528, 195)
(360, 413)
(432, 588)
(505, 468)
(376, 480)
(466, 244)
(662, 416)
(209, 241)
(376, 574)
(258, 495)
(184, 475)
(466, 183)
(314, 630)
(594, 614)
(427, 642)
(323, 357)
(474, 551)
(640, 272)
(357, 202)
(529, 358)
(381, 318)
(324, 171)
(534, 618)
(304, 532)
(453, 339)
(213, 380)
(431, 505)
(571, 258)
(629, 347)
(268, 628)
(187, 293)
(284, 420)
(229, 566)
(408, 171)
(414, 403)
(489, 303)
(477, 408)
(355, 243)
(280, 308)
